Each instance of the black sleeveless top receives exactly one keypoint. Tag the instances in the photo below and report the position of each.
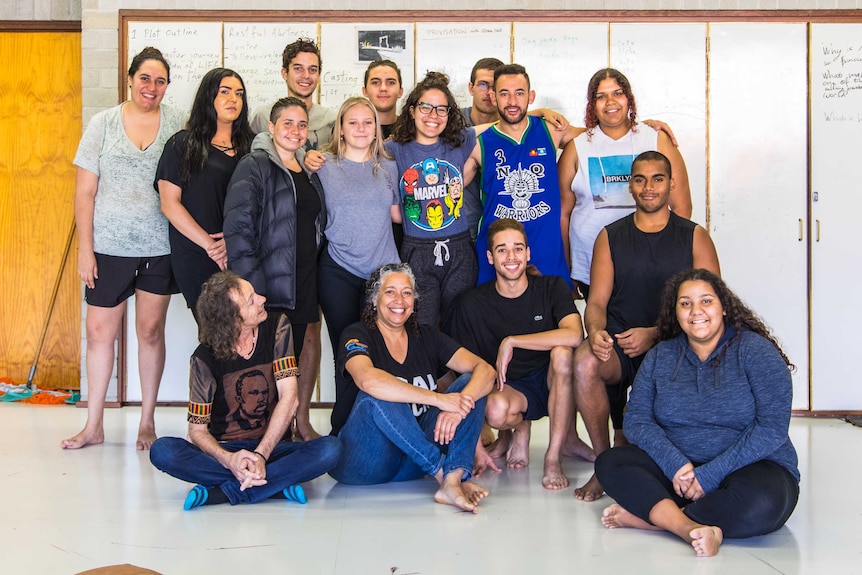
(643, 262)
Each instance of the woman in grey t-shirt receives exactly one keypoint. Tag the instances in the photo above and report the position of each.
(123, 239)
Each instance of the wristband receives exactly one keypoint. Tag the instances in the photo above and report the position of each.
(265, 460)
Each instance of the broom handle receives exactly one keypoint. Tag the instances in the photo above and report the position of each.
(51, 305)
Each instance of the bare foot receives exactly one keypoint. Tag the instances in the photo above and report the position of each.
(482, 461)
(146, 438)
(591, 490)
(84, 438)
(518, 456)
(706, 540)
(578, 448)
(451, 493)
(305, 433)
(474, 492)
(620, 438)
(616, 516)
(487, 436)
(500, 446)
(554, 477)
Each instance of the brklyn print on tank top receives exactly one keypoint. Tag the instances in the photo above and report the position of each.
(609, 181)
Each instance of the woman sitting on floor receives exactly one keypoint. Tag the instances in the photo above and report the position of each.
(708, 419)
(393, 421)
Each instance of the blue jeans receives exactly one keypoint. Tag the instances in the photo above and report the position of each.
(383, 441)
(289, 463)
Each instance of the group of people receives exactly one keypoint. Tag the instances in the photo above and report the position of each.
(445, 248)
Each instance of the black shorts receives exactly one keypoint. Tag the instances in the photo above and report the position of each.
(628, 368)
(534, 386)
(120, 276)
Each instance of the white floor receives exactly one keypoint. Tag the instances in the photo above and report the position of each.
(65, 512)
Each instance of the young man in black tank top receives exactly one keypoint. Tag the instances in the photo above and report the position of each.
(641, 251)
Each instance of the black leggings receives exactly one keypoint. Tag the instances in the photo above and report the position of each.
(341, 297)
(753, 500)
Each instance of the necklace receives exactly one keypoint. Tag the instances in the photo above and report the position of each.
(253, 346)
(223, 147)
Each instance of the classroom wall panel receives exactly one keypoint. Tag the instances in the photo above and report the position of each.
(347, 48)
(666, 65)
(836, 202)
(560, 59)
(758, 176)
(454, 48)
(253, 49)
(714, 83)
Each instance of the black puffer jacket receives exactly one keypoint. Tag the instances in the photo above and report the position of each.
(260, 223)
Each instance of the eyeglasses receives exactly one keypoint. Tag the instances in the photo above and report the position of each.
(425, 108)
(483, 86)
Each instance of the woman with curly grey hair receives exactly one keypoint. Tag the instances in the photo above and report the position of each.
(394, 417)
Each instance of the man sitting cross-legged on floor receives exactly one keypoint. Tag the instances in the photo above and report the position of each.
(242, 397)
(527, 326)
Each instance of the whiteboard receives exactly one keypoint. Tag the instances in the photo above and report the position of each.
(253, 50)
(454, 48)
(836, 134)
(758, 158)
(191, 48)
(560, 59)
(666, 65)
(347, 49)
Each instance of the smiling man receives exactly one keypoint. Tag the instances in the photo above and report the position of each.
(632, 259)
(301, 67)
(519, 178)
(527, 326)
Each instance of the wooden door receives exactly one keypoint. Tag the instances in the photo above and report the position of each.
(41, 93)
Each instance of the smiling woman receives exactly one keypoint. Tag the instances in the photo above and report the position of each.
(432, 149)
(274, 216)
(394, 423)
(707, 420)
(123, 238)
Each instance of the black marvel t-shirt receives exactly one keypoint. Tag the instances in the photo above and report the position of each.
(484, 318)
(427, 356)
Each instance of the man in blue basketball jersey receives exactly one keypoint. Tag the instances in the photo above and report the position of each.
(518, 156)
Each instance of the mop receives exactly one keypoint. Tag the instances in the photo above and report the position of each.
(29, 393)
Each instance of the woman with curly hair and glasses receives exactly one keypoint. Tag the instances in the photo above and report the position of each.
(708, 420)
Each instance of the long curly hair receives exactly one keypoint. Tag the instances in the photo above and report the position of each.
(372, 290)
(404, 130)
(337, 145)
(591, 120)
(203, 122)
(737, 314)
(218, 314)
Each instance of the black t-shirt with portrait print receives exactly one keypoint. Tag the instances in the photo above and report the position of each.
(235, 398)
(427, 356)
